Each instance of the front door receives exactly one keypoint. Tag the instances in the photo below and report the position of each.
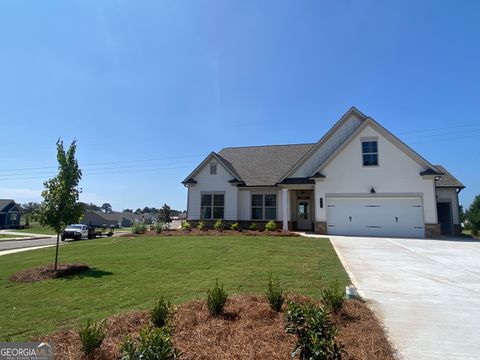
(304, 218)
(444, 211)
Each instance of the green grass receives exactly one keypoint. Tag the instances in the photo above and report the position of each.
(8, 236)
(36, 228)
(130, 273)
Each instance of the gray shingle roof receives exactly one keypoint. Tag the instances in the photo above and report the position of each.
(4, 203)
(263, 165)
(447, 180)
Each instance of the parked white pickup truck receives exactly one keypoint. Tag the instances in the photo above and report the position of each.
(76, 232)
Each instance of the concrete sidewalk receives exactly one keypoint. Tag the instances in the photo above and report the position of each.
(426, 292)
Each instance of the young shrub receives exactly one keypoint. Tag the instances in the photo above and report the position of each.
(315, 332)
(219, 226)
(139, 228)
(274, 294)
(91, 335)
(253, 227)
(152, 344)
(271, 226)
(216, 299)
(160, 313)
(202, 226)
(159, 227)
(235, 226)
(333, 298)
(186, 225)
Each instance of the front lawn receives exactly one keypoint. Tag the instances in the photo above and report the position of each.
(36, 228)
(8, 236)
(130, 273)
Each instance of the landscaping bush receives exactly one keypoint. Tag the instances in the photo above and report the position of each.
(473, 216)
(235, 226)
(333, 298)
(91, 336)
(219, 226)
(152, 344)
(216, 299)
(271, 226)
(274, 294)
(160, 313)
(159, 226)
(186, 225)
(139, 228)
(315, 332)
(202, 226)
(253, 227)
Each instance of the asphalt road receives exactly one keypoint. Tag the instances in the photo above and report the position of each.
(19, 244)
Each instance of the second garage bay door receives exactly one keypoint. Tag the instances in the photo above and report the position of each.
(375, 216)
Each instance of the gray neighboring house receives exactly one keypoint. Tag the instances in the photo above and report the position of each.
(9, 214)
(116, 219)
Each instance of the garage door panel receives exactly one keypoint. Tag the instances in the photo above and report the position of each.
(375, 216)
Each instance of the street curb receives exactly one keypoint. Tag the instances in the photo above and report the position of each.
(28, 238)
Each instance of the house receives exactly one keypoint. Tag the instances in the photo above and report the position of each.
(9, 214)
(358, 179)
(116, 219)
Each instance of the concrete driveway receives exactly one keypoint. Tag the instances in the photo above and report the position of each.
(427, 292)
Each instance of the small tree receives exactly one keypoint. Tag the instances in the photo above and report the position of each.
(473, 215)
(165, 214)
(59, 206)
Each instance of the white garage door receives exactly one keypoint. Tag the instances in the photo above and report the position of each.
(375, 216)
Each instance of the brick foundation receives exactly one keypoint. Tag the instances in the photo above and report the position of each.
(433, 231)
(321, 227)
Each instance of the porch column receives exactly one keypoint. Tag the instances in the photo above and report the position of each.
(285, 208)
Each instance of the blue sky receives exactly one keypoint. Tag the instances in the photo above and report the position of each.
(148, 88)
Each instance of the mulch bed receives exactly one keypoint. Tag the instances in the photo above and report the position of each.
(248, 330)
(48, 272)
(197, 232)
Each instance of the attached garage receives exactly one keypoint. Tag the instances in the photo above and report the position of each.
(375, 216)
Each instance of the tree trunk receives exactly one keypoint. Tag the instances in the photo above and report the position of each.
(56, 251)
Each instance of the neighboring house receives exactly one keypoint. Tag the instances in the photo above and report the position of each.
(358, 179)
(9, 214)
(117, 219)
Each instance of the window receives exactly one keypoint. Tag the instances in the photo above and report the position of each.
(370, 153)
(13, 217)
(212, 206)
(213, 169)
(264, 207)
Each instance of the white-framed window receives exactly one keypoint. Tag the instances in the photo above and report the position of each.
(370, 153)
(213, 169)
(264, 206)
(212, 206)
(13, 217)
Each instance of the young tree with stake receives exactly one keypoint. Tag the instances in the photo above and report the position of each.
(59, 207)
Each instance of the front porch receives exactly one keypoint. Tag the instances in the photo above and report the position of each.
(298, 207)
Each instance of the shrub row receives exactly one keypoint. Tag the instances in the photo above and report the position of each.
(219, 226)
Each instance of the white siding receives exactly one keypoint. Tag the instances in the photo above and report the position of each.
(450, 195)
(397, 173)
(213, 183)
(347, 128)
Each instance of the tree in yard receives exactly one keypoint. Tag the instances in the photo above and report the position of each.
(473, 215)
(59, 206)
(146, 210)
(106, 208)
(165, 214)
(128, 211)
(138, 211)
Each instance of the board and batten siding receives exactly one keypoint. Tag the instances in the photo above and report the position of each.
(396, 173)
(328, 147)
(213, 183)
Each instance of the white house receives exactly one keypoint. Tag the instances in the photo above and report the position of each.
(358, 179)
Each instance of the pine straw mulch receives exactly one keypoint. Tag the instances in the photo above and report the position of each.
(248, 330)
(48, 272)
(197, 232)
